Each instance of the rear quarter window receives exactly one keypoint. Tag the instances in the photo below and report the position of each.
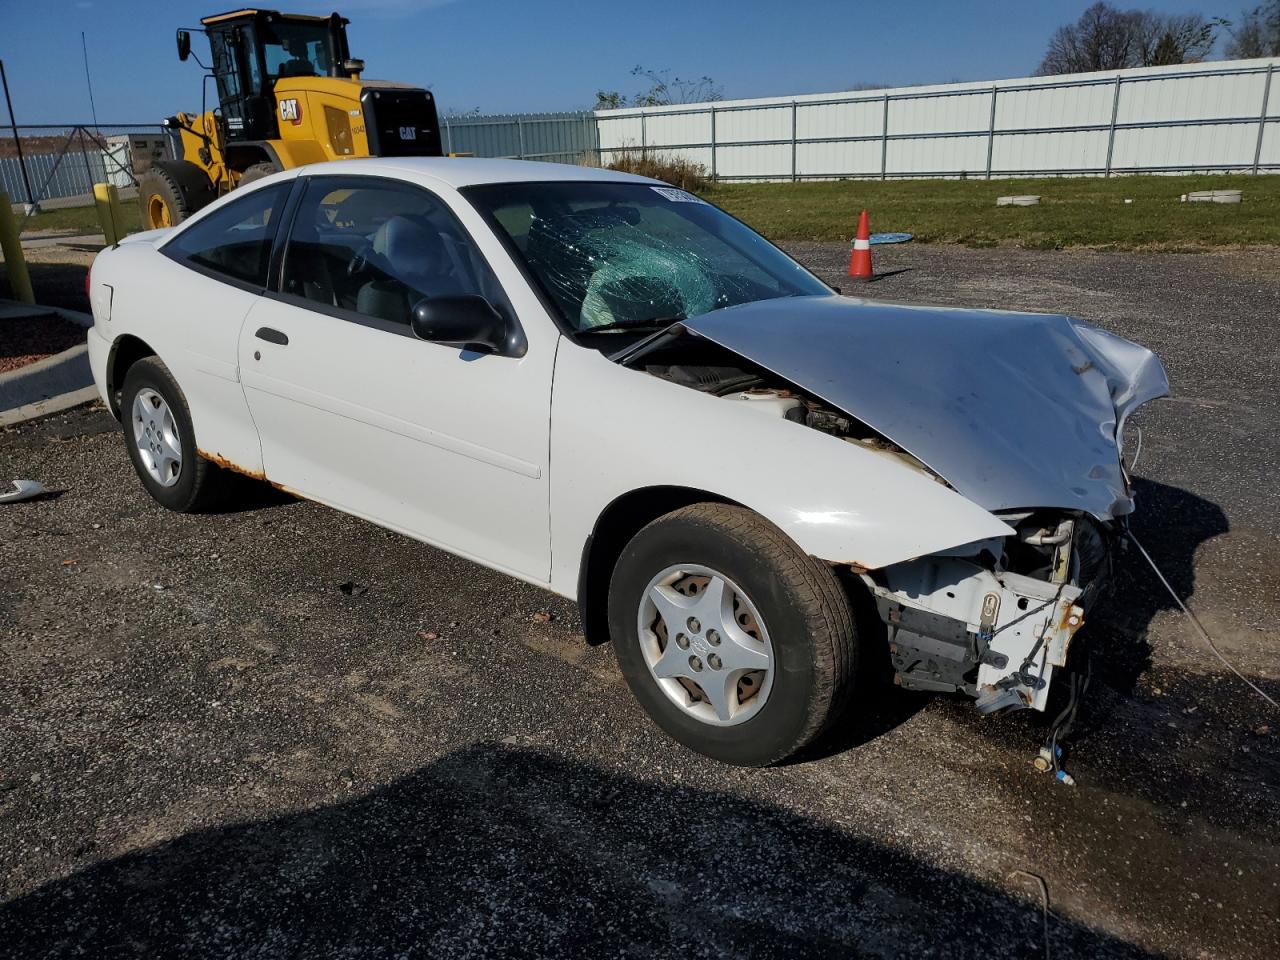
(235, 240)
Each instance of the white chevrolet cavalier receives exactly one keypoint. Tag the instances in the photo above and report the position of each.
(607, 387)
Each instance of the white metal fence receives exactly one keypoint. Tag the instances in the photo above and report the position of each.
(1221, 116)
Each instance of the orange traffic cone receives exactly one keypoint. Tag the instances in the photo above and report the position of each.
(860, 259)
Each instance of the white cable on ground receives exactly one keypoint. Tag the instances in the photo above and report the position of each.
(1196, 623)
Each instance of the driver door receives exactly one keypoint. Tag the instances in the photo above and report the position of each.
(446, 445)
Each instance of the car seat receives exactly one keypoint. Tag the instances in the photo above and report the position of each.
(410, 262)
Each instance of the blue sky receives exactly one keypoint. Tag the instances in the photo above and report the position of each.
(512, 56)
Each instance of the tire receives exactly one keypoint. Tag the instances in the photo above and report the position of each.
(193, 484)
(170, 191)
(794, 604)
(257, 172)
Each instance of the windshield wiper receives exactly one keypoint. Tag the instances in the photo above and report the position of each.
(633, 323)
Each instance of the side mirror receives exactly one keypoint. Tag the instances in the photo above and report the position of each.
(463, 321)
(184, 44)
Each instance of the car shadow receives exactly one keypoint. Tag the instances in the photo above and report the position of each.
(246, 494)
(503, 851)
(1172, 524)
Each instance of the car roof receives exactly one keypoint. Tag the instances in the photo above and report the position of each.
(469, 171)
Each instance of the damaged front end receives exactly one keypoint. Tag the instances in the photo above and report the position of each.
(993, 620)
(1021, 414)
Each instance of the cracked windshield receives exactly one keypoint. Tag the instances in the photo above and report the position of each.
(632, 256)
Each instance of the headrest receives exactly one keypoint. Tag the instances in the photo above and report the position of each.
(409, 248)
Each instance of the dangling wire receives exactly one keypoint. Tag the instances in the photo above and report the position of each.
(1044, 902)
(1196, 623)
(1065, 722)
(1137, 452)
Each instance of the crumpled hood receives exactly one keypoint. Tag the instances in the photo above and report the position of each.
(1014, 410)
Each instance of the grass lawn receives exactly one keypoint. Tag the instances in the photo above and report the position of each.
(1073, 212)
(82, 219)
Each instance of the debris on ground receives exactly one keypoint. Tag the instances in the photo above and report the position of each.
(353, 589)
(1044, 902)
(21, 490)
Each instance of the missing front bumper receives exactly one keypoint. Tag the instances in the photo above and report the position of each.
(995, 635)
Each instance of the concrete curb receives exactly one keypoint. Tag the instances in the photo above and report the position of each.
(43, 408)
(49, 385)
(68, 239)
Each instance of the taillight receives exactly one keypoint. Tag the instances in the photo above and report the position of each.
(88, 284)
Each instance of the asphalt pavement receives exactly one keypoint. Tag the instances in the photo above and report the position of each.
(282, 732)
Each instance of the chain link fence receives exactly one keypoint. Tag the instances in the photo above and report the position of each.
(52, 162)
(63, 161)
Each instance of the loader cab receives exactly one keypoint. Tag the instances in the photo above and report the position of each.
(252, 49)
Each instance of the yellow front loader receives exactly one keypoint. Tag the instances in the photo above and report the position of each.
(288, 93)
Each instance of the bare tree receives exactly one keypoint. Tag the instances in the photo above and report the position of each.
(666, 89)
(1164, 39)
(1105, 38)
(1102, 39)
(1257, 34)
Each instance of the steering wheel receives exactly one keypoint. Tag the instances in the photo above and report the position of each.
(359, 265)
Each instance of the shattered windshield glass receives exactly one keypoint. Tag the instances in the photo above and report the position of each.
(631, 255)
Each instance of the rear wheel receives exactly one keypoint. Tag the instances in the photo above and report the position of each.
(170, 191)
(161, 442)
(736, 643)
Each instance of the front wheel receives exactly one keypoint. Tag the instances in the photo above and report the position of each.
(736, 643)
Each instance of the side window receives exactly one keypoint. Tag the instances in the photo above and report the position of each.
(376, 248)
(235, 240)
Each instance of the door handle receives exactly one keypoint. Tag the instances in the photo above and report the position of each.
(271, 335)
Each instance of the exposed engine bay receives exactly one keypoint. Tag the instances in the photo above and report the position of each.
(712, 369)
(991, 619)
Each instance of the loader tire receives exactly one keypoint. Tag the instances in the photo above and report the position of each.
(257, 172)
(172, 190)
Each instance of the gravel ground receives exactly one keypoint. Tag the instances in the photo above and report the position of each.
(208, 748)
(28, 339)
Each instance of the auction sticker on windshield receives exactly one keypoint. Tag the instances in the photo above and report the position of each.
(680, 196)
